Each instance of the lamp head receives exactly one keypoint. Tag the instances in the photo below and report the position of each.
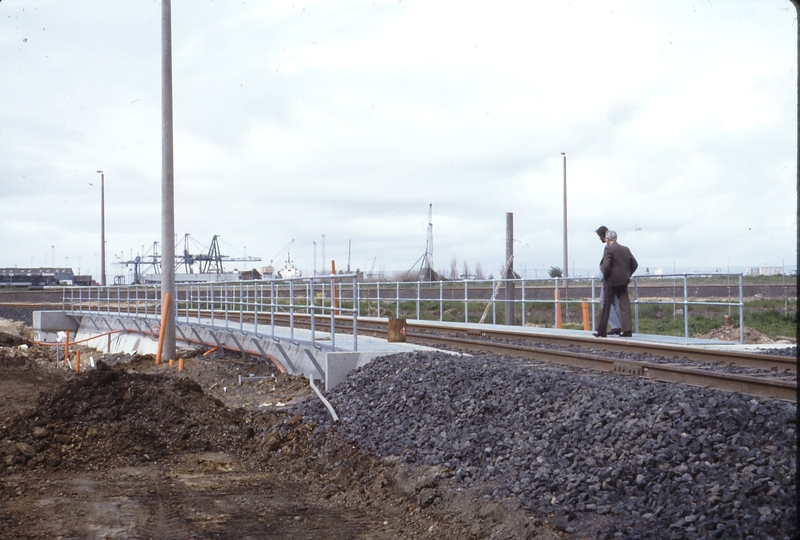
(101, 172)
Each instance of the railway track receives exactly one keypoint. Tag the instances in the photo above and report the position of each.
(740, 371)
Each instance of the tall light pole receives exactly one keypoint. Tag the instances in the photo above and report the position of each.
(102, 228)
(566, 261)
(167, 186)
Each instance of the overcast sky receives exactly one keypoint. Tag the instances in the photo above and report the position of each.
(294, 120)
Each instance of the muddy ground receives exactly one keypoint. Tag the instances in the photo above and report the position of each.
(129, 449)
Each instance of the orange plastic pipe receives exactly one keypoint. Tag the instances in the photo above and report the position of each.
(164, 314)
(77, 361)
(558, 309)
(586, 325)
(180, 364)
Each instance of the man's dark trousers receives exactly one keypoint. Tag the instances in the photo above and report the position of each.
(620, 292)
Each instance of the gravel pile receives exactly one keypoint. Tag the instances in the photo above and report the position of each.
(608, 456)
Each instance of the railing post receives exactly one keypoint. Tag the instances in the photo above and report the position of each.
(636, 304)
(333, 316)
(441, 301)
(256, 305)
(685, 306)
(226, 305)
(522, 281)
(494, 303)
(378, 293)
(272, 307)
(418, 299)
(466, 301)
(291, 310)
(211, 290)
(310, 290)
(741, 310)
(355, 315)
(397, 306)
(357, 293)
(241, 308)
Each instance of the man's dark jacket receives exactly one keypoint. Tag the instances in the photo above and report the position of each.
(618, 264)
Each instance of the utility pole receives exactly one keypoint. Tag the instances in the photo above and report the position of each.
(566, 263)
(167, 186)
(349, 247)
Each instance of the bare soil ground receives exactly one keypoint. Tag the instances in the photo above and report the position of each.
(130, 449)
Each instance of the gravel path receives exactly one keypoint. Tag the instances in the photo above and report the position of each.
(605, 456)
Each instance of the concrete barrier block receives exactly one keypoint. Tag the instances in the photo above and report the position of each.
(55, 321)
(338, 366)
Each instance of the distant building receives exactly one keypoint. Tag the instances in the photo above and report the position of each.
(35, 278)
(764, 270)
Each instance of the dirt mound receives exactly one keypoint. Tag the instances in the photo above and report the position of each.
(15, 328)
(109, 417)
(730, 332)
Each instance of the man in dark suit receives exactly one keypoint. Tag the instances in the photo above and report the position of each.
(618, 265)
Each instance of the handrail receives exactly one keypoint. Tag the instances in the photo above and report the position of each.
(318, 296)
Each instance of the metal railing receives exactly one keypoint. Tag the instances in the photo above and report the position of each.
(469, 301)
(228, 305)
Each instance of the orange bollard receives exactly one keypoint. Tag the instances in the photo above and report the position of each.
(66, 350)
(164, 313)
(180, 364)
(171, 362)
(586, 325)
(558, 309)
(77, 361)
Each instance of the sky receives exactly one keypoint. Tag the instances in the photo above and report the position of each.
(299, 125)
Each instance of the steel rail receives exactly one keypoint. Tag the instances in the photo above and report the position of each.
(416, 332)
(766, 387)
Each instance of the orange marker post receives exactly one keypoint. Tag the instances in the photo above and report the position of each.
(164, 313)
(180, 364)
(586, 325)
(78, 361)
(558, 309)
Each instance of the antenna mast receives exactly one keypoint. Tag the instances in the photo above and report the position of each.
(426, 268)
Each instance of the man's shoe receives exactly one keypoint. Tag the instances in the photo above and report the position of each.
(615, 331)
(598, 334)
(626, 334)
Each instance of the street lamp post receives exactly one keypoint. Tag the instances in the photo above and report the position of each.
(566, 262)
(102, 228)
(167, 186)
